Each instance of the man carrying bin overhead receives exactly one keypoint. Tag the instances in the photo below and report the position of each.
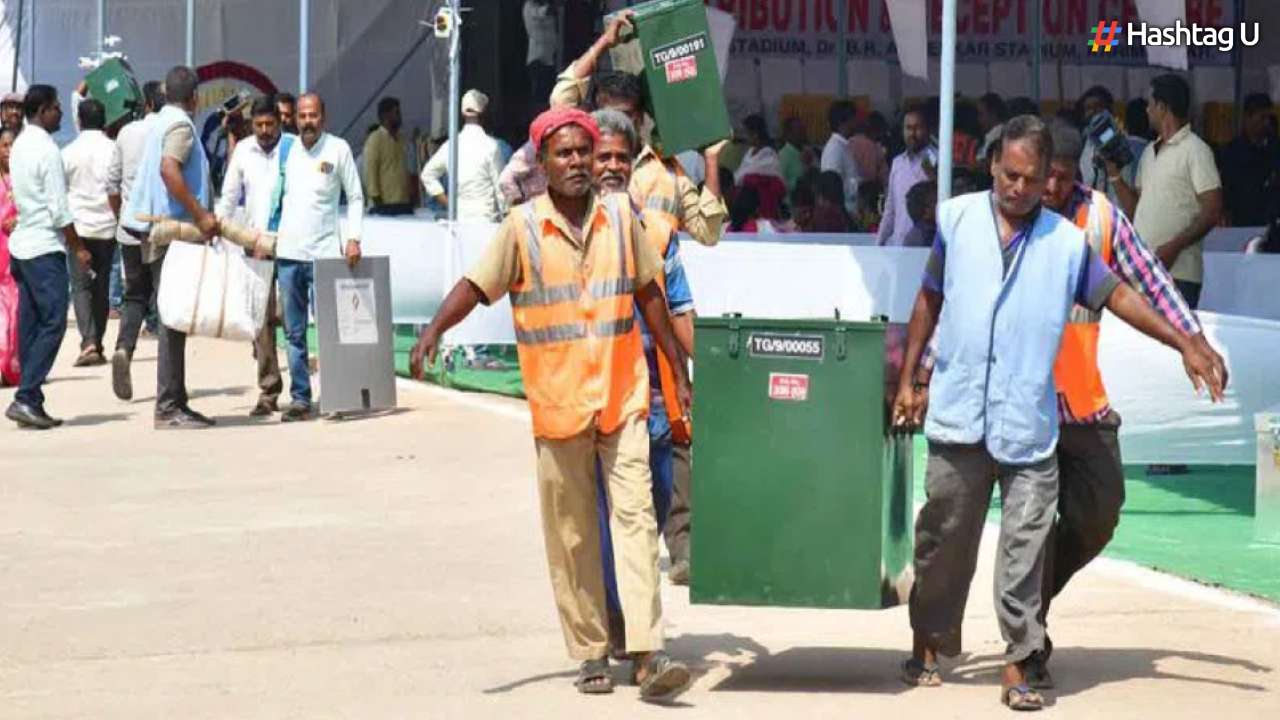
(576, 266)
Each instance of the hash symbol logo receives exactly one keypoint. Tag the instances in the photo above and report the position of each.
(1105, 36)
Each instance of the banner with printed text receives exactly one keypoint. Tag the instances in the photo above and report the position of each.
(988, 30)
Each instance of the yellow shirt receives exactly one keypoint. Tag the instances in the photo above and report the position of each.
(1171, 182)
(386, 177)
(498, 270)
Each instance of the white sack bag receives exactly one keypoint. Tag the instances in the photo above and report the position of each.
(214, 290)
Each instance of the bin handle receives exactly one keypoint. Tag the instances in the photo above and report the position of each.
(734, 338)
(841, 350)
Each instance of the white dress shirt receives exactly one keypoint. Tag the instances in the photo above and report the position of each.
(251, 177)
(479, 198)
(315, 179)
(92, 166)
(40, 192)
(837, 157)
(132, 142)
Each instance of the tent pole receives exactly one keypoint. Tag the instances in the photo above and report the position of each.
(17, 45)
(191, 34)
(455, 82)
(946, 115)
(304, 43)
(102, 26)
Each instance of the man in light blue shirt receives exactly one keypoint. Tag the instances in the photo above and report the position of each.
(1004, 275)
(38, 246)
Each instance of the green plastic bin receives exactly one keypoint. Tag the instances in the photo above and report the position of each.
(684, 95)
(112, 84)
(801, 497)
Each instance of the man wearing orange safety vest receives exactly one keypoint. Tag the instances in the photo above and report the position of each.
(1091, 483)
(576, 266)
(614, 153)
(660, 185)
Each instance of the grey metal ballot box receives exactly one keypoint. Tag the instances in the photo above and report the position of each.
(357, 345)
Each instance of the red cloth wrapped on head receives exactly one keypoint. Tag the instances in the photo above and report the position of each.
(552, 120)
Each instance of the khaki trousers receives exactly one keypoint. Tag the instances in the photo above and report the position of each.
(567, 489)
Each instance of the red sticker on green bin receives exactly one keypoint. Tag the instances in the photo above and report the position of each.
(783, 386)
(678, 50)
(681, 70)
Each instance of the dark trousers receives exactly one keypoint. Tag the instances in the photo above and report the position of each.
(42, 320)
(958, 484)
(392, 210)
(542, 80)
(141, 280)
(270, 382)
(676, 531)
(1090, 495)
(139, 294)
(91, 291)
(1190, 292)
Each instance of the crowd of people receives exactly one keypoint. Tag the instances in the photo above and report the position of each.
(72, 209)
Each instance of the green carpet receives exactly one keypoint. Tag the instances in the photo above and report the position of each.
(478, 368)
(1197, 526)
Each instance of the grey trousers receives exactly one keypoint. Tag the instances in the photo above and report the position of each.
(90, 291)
(1089, 501)
(958, 486)
(270, 382)
(680, 518)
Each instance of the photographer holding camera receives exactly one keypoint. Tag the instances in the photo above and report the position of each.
(1177, 197)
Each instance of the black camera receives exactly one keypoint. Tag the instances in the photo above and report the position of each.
(1112, 144)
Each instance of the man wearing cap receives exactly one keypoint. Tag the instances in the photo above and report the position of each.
(386, 180)
(577, 266)
(11, 112)
(479, 165)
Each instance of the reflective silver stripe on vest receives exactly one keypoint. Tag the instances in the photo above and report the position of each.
(612, 288)
(575, 331)
(615, 218)
(546, 296)
(656, 202)
(615, 327)
(1093, 234)
(535, 246)
(555, 333)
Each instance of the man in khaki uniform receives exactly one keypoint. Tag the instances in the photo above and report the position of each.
(576, 266)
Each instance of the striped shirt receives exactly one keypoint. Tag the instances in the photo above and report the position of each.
(1133, 262)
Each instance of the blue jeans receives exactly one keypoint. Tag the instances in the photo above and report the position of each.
(660, 466)
(115, 295)
(43, 298)
(297, 291)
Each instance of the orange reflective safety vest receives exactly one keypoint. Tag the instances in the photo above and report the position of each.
(581, 355)
(1075, 372)
(654, 188)
(658, 231)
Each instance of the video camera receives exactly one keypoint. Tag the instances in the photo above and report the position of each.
(1112, 144)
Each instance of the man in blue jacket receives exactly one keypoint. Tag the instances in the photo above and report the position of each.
(998, 288)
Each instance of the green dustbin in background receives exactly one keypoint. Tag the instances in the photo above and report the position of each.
(112, 84)
(801, 496)
(684, 95)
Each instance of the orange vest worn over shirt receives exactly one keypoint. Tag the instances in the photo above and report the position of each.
(658, 232)
(1075, 372)
(653, 186)
(581, 355)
